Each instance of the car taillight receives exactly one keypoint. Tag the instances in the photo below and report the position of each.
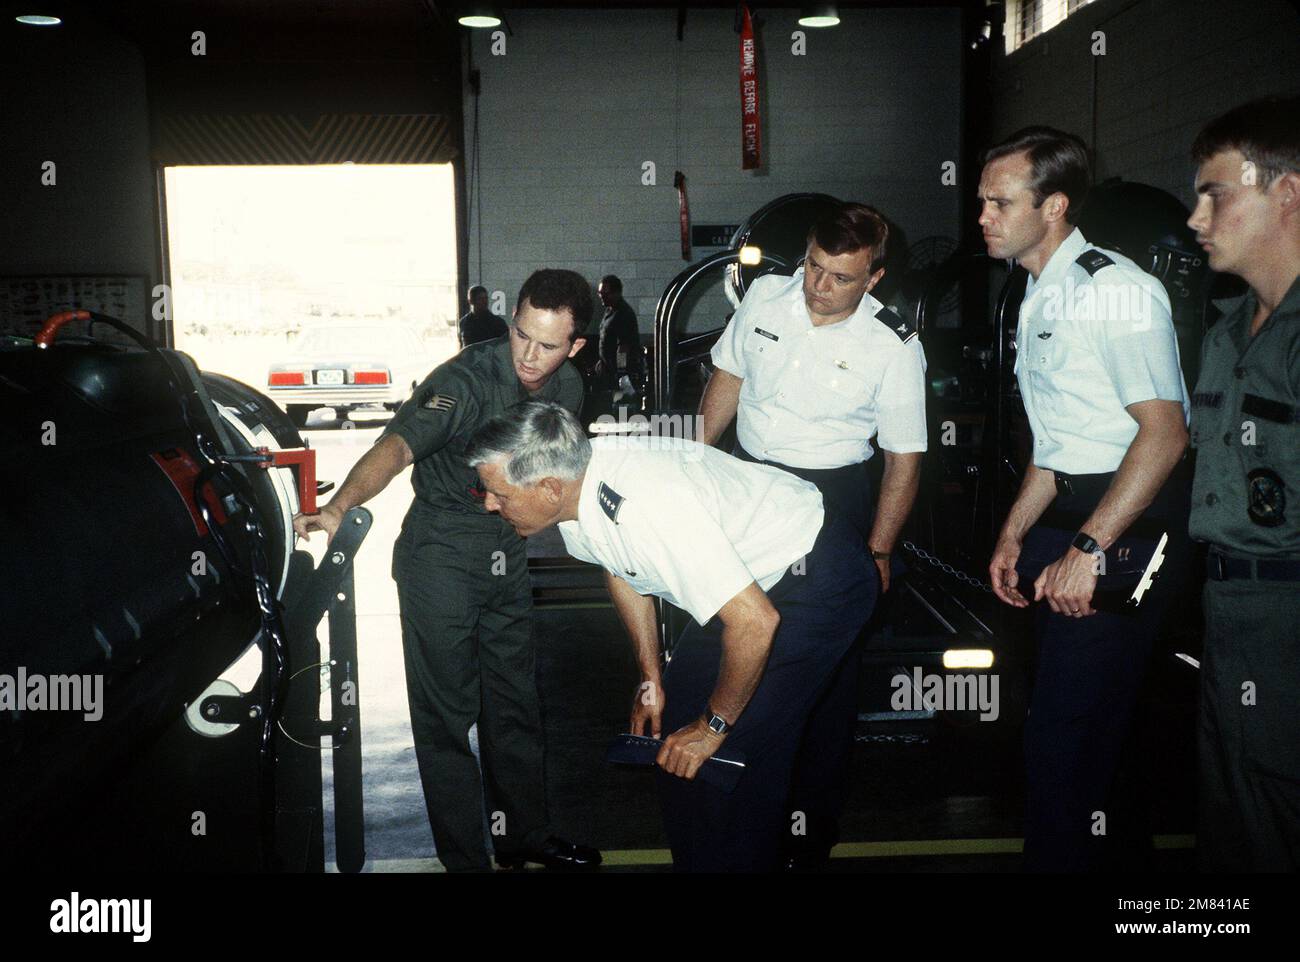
(286, 378)
(369, 377)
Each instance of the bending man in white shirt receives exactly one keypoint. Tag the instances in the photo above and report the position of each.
(778, 591)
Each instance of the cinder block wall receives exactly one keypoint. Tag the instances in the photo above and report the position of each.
(581, 99)
(76, 100)
(1169, 66)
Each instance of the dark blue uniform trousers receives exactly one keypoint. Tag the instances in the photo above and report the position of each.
(1089, 673)
(1086, 686)
(820, 782)
(822, 611)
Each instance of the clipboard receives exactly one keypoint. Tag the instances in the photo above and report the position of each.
(1131, 566)
(722, 771)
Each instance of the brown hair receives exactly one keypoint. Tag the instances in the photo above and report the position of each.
(1266, 132)
(1059, 161)
(551, 289)
(852, 227)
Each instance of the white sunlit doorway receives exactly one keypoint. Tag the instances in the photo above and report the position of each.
(273, 268)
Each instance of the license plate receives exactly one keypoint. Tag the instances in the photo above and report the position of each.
(329, 377)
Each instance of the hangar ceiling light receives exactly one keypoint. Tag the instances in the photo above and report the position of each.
(38, 20)
(819, 15)
(480, 15)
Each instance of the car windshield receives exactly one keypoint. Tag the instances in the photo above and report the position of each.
(353, 340)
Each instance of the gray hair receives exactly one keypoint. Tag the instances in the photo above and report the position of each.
(537, 439)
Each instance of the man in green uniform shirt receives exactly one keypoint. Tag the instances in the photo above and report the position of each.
(463, 586)
(1246, 497)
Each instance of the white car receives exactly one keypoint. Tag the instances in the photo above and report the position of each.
(345, 368)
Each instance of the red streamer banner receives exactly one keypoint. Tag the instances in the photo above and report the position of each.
(750, 135)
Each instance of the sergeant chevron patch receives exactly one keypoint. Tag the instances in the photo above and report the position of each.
(440, 402)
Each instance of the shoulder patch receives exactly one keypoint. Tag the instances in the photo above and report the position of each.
(611, 502)
(1093, 261)
(440, 402)
(906, 330)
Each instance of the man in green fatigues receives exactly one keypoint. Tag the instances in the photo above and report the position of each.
(1246, 428)
(463, 586)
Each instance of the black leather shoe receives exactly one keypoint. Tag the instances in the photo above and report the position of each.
(555, 853)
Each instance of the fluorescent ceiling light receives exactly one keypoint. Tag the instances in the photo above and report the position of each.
(819, 15)
(479, 18)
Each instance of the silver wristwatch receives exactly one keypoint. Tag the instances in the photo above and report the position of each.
(717, 724)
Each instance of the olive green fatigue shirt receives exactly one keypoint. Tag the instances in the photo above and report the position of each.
(458, 397)
(1246, 428)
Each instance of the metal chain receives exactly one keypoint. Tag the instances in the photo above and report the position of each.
(947, 568)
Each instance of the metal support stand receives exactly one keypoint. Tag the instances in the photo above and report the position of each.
(327, 589)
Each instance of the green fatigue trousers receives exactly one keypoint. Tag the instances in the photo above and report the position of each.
(1249, 738)
(466, 608)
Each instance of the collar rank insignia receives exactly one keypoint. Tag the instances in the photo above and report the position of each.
(611, 502)
(1093, 261)
(440, 402)
(905, 330)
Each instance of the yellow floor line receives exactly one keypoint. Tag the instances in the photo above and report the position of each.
(912, 848)
(895, 849)
(935, 846)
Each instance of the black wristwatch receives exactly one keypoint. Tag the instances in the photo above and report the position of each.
(1085, 543)
(717, 724)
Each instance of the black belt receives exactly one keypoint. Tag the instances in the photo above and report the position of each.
(1064, 483)
(1222, 568)
(1087, 486)
(1077, 496)
(809, 474)
(1095, 485)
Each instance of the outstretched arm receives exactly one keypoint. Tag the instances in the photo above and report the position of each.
(370, 475)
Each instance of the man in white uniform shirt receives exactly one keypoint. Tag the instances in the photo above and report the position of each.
(1097, 364)
(778, 590)
(812, 367)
